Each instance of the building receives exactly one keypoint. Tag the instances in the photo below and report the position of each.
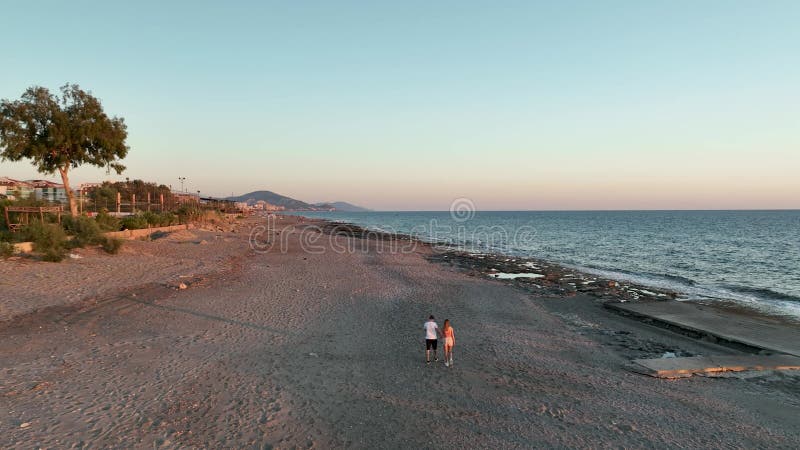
(185, 197)
(265, 206)
(49, 191)
(86, 187)
(15, 189)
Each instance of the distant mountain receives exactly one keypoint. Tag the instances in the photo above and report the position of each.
(292, 204)
(273, 199)
(342, 206)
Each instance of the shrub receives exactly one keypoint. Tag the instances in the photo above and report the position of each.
(168, 219)
(151, 218)
(134, 222)
(163, 219)
(3, 203)
(84, 230)
(7, 236)
(187, 213)
(48, 239)
(112, 245)
(211, 216)
(6, 249)
(106, 221)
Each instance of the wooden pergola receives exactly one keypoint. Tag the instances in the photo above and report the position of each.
(24, 218)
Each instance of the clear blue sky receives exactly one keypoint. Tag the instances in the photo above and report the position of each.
(516, 105)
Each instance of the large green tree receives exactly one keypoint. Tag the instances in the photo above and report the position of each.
(58, 133)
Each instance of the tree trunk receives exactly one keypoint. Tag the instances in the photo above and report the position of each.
(73, 207)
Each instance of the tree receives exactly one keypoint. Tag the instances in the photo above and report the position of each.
(61, 133)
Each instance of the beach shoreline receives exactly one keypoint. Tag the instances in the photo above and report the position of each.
(282, 347)
(704, 256)
(550, 278)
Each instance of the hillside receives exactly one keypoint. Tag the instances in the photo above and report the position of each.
(293, 204)
(273, 199)
(343, 206)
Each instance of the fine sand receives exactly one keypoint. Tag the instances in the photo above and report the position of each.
(289, 348)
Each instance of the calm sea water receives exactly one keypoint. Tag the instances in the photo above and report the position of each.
(750, 257)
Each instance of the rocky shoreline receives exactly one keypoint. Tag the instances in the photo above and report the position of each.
(541, 278)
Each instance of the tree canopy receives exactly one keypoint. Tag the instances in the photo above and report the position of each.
(58, 133)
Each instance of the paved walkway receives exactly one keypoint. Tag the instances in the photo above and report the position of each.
(759, 332)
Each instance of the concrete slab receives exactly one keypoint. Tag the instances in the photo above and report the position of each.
(751, 330)
(686, 367)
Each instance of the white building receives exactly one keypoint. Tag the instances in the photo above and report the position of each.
(49, 191)
(14, 189)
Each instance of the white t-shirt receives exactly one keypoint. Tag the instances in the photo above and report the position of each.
(430, 330)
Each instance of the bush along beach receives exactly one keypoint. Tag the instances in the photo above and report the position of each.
(49, 240)
(6, 249)
(52, 241)
(148, 219)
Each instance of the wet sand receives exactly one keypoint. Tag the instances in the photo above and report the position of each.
(325, 349)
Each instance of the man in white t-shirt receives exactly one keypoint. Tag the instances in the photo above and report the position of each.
(431, 339)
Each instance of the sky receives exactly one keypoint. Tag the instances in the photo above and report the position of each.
(410, 105)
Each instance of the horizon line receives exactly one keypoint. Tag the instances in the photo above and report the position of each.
(553, 210)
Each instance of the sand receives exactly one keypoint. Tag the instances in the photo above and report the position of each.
(319, 350)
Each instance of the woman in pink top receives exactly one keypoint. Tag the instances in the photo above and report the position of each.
(449, 342)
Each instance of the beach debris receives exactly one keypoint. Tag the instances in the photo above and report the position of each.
(512, 276)
(713, 365)
(182, 286)
(25, 425)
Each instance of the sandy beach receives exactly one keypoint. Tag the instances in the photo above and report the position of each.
(294, 349)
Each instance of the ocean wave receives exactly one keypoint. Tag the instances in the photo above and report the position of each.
(643, 275)
(764, 293)
(685, 280)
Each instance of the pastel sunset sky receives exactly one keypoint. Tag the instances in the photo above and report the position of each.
(408, 105)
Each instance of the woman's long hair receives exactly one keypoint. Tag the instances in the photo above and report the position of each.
(446, 324)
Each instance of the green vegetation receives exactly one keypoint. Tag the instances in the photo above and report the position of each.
(106, 221)
(134, 222)
(148, 219)
(160, 219)
(59, 133)
(84, 231)
(6, 249)
(105, 195)
(3, 203)
(112, 245)
(53, 240)
(48, 239)
(189, 213)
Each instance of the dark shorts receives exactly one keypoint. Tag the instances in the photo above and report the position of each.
(431, 344)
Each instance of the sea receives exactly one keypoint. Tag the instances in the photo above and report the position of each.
(747, 257)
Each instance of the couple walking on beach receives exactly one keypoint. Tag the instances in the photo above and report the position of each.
(432, 335)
